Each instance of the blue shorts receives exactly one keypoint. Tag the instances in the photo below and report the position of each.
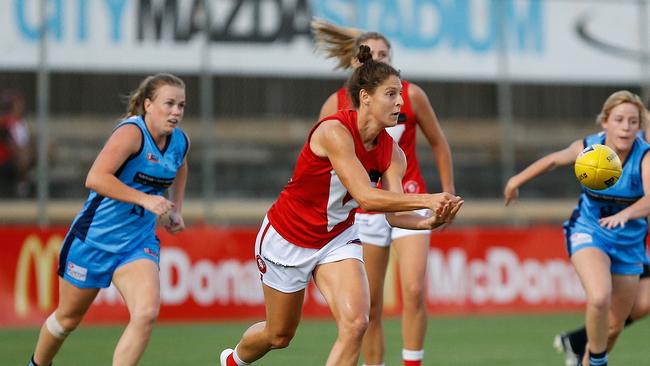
(85, 266)
(626, 259)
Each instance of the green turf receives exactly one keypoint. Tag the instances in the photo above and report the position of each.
(485, 341)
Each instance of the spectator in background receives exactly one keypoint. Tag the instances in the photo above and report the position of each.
(606, 233)
(16, 147)
(410, 247)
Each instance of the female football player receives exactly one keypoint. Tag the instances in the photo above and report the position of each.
(112, 239)
(605, 235)
(411, 247)
(309, 231)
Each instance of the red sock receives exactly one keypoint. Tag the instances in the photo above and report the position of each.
(230, 361)
(412, 362)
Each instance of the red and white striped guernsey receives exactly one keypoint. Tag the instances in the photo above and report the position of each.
(315, 206)
(404, 134)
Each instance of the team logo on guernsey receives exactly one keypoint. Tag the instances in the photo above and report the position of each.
(261, 265)
(77, 272)
(152, 157)
(151, 252)
(411, 186)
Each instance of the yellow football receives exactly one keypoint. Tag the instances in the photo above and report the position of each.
(598, 167)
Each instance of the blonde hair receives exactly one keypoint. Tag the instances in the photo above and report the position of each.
(147, 90)
(340, 42)
(618, 98)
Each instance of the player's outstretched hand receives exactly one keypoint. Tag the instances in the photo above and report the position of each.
(510, 192)
(438, 201)
(445, 214)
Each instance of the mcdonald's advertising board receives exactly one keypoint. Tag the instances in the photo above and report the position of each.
(209, 274)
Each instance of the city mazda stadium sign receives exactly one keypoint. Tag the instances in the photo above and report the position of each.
(211, 274)
(432, 39)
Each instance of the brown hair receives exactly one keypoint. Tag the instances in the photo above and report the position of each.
(618, 98)
(147, 90)
(368, 76)
(340, 42)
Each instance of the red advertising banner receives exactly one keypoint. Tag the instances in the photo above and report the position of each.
(209, 273)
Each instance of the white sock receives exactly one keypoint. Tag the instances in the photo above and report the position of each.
(237, 359)
(379, 364)
(410, 355)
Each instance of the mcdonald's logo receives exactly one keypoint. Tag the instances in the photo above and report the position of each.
(44, 257)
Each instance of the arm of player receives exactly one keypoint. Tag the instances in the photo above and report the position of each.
(177, 195)
(547, 163)
(391, 181)
(333, 141)
(638, 209)
(329, 107)
(428, 122)
(101, 178)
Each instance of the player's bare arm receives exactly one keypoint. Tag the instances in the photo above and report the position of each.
(547, 163)
(392, 181)
(329, 107)
(101, 178)
(332, 140)
(428, 122)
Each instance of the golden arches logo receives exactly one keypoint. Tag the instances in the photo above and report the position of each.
(44, 257)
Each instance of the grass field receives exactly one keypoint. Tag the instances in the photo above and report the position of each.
(485, 341)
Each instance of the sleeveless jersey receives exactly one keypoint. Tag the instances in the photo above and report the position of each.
(594, 205)
(116, 226)
(315, 206)
(404, 134)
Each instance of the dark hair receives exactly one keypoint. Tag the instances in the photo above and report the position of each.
(147, 89)
(368, 76)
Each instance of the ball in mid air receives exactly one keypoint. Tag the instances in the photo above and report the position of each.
(598, 167)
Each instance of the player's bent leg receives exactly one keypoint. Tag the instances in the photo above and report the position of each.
(641, 306)
(283, 313)
(139, 284)
(412, 255)
(73, 305)
(593, 268)
(344, 285)
(375, 261)
(624, 290)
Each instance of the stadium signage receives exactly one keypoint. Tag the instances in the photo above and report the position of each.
(39, 258)
(432, 38)
(502, 277)
(209, 273)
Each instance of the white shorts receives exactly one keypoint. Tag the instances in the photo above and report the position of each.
(288, 268)
(375, 230)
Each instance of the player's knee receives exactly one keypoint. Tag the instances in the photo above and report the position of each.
(599, 301)
(414, 295)
(355, 327)
(146, 315)
(281, 339)
(61, 328)
(615, 327)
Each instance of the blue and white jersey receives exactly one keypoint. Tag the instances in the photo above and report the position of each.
(117, 226)
(594, 205)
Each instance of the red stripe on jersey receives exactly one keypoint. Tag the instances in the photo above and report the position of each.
(315, 206)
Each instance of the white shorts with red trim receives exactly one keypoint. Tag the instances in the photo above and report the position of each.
(375, 230)
(288, 268)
